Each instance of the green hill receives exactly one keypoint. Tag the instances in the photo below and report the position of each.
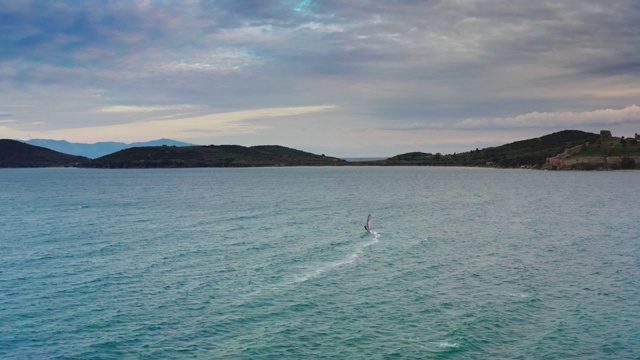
(209, 156)
(525, 153)
(613, 146)
(607, 152)
(16, 154)
(531, 153)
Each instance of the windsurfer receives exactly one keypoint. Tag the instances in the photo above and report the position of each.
(368, 225)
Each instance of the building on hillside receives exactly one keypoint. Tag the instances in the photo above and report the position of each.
(605, 134)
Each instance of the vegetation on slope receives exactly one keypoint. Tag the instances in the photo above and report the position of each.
(209, 156)
(526, 153)
(611, 147)
(530, 153)
(16, 154)
(627, 149)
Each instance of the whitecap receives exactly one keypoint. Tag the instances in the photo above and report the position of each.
(446, 344)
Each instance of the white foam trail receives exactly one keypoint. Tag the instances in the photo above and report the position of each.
(350, 259)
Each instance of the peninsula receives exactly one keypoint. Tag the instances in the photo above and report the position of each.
(563, 150)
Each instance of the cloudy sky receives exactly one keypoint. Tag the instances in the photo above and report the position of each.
(341, 77)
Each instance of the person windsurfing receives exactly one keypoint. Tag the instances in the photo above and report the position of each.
(368, 225)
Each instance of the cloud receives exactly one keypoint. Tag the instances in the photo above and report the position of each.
(404, 66)
(547, 120)
(138, 109)
(628, 115)
(612, 94)
(210, 125)
(222, 60)
(8, 132)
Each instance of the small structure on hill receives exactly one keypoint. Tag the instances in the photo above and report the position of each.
(605, 134)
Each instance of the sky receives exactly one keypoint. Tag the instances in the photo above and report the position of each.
(348, 78)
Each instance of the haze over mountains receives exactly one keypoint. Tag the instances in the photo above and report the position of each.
(98, 149)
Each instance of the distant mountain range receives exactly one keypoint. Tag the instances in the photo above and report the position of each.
(99, 149)
(531, 153)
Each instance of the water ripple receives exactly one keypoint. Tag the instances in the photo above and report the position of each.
(273, 263)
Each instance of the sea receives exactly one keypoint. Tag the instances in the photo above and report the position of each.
(275, 263)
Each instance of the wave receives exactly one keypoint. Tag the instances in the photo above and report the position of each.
(446, 344)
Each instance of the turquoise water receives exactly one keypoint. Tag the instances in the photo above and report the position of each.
(274, 263)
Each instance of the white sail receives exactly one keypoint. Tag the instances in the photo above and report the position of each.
(368, 226)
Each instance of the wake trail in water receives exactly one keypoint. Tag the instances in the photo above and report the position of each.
(314, 271)
(349, 259)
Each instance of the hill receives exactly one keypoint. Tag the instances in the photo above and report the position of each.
(606, 152)
(16, 154)
(98, 149)
(530, 153)
(581, 150)
(210, 156)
